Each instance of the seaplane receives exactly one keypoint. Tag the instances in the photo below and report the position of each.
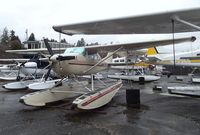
(8, 72)
(85, 60)
(29, 71)
(23, 67)
(138, 71)
(19, 70)
(185, 59)
(182, 59)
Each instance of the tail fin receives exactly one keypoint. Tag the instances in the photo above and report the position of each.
(153, 54)
(152, 51)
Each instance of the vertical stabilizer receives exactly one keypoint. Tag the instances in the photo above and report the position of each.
(152, 51)
(153, 54)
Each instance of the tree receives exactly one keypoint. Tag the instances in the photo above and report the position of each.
(12, 35)
(81, 42)
(53, 40)
(63, 41)
(14, 42)
(31, 37)
(4, 37)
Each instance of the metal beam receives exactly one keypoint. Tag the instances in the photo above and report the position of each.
(176, 18)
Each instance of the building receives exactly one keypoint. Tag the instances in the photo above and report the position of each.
(40, 44)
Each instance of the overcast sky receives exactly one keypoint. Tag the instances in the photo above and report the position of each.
(38, 16)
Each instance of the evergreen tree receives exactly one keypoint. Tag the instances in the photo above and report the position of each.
(14, 42)
(12, 35)
(81, 42)
(31, 37)
(63, 41)
(4, 37)
(53, 40)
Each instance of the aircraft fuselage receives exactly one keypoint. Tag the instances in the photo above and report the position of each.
(77, 66)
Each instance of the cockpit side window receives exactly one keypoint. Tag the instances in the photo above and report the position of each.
(94, 56)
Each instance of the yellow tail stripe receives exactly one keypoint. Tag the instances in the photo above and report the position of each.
(152, 51)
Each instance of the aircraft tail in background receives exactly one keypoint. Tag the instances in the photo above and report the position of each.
(153, 54)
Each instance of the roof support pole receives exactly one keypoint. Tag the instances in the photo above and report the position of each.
(173, 30)
(176, 18)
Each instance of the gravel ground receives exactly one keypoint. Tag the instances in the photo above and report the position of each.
(157, 115)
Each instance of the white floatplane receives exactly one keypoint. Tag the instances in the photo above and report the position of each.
(17, 71)
(27, 72)
(135, 72)
(8, 72)
(31, 76)
(76, 61)
(33, 66)
(9, 76)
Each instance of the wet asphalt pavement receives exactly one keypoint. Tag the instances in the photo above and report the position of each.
(158, 115)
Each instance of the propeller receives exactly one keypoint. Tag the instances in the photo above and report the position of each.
(48, 47)
(48, 73)
(18, 73)
(51, 54)
(61, 58)
(55, 58)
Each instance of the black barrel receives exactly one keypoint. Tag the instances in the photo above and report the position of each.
(141, 80)
(133, 98)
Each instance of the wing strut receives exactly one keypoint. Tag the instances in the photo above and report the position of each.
(176, 18)
(173, 30)
(102, 60)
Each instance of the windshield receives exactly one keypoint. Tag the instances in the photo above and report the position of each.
(75, 50)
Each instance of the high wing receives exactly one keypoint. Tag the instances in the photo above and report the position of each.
(137, 45)
(147, 23)
(21, 60)
(35, 51)
(14, 60)
(112, 47)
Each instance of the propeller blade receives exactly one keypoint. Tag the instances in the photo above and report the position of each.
(48, 47)
(22, 64)
(18, 74)
(61, 58)
(48, 73)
